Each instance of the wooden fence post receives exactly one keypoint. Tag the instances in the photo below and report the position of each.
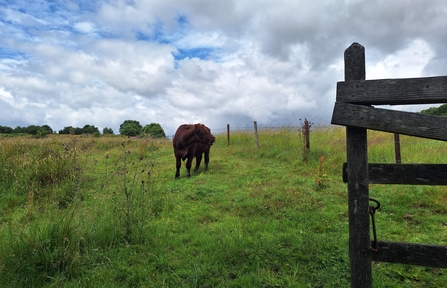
(397, 148)
(358, 190)
(353, 110)
(256, 133)
(228, 134)
(306, 132)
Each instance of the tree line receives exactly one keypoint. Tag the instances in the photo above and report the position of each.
(131, 128)
(438, 111)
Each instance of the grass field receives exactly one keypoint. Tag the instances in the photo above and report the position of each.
(107, 212)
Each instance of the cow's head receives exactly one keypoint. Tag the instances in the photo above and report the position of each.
(204, 134)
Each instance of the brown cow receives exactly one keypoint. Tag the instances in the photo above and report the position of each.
(186, 141)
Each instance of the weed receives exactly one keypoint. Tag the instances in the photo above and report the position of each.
(130, 196)
(320, 175)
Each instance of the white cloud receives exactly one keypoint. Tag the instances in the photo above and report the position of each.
(6, 96)
(84, 27)
(406, 63)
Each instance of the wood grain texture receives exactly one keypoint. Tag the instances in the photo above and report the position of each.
(358, 191)
(428, 90)
(413, 254)
(407, 123)
(406, 174)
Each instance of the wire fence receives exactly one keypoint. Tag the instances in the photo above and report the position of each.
(305, 128)
(255, 127)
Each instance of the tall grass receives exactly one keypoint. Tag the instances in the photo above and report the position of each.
(106, 211)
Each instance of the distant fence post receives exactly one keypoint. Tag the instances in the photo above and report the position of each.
(306, 132)
(397, 148)
(228, 134)
(256, 133)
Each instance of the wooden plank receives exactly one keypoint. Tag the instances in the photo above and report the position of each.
(415, 174)
(412, 254)
(358, 190)
(427, 90)
(407, 123)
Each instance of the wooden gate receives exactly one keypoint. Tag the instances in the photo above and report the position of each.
(353, 109)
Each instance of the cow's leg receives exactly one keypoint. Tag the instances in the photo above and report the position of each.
(198, 160)
(178, 164)
(188, 167)
(207, 159)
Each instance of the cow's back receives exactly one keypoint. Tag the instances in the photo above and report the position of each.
(181, 136)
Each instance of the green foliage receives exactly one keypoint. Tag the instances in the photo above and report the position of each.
(130, 128)
(87, 129)
(5, 130)
(438, 111)
(130, 196)
(39, 131)
(67, 130)
(94, 212)
(107, 131)
(154, 130)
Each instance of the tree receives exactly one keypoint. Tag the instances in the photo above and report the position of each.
(439, 111)
(107, 131)
(48, 129)
(31, 129)
(66, 130)
(19, 129)
(42, 132)
(6, 130)
(130, 128)
(155, 130)
(89, 129)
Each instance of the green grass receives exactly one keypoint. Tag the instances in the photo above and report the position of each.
(107, 212)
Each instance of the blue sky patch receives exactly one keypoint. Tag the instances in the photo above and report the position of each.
(158, 35)
(201, 53)
(12, 54)
(182, 20)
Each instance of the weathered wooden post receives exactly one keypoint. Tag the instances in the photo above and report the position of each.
(358, 190)
(397, 148)
(306, 132)
(256, 133)
(228, 134)
(353, 110)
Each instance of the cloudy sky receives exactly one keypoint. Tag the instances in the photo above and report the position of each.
(72, 63)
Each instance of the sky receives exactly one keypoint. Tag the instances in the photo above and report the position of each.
(83, 62)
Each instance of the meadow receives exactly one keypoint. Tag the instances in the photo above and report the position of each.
(107, 212)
